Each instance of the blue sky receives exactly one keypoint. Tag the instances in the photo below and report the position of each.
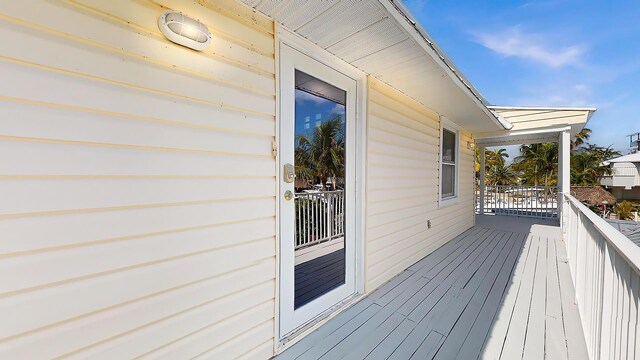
(547, 53)
(313, 110)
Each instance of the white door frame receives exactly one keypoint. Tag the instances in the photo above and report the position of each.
(290, 44)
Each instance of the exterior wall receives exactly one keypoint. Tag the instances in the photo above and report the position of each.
(624, 174)
(402, 185)
(622, 194)
(137, 182)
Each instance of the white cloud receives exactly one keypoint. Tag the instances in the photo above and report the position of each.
(336, 109)
(558, 93)
(513, 42)
(302, 96)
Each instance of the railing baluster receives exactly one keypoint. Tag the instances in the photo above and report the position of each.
(308, 211)
(529, 201)
(605, 267)
(319, 217)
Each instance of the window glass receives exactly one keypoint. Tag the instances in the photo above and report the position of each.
(448, 186)
(448, 146)
(320, 166)
(448, 180)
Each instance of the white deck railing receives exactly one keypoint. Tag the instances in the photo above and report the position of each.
(605, 266)
(319, 217)
(531, 201)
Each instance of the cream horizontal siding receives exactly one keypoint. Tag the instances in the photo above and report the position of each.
(402, 185)
(137, 182)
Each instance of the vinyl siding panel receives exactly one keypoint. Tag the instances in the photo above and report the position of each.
(402, 185)
(137, 181)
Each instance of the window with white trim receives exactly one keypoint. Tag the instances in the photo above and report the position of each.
(448, 164)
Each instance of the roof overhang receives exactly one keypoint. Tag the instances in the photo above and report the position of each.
(533, 125)
(631, 158)
(521, 137)
(381, 38)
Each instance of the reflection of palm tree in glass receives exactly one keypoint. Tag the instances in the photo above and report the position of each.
(321, 155)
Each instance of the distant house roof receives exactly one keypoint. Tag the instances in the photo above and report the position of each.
(630, 229)
(592, 195)
(632, 158)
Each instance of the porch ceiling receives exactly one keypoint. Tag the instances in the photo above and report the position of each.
(380, 38)
(535, 125)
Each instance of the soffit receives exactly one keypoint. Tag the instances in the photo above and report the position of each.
(531, 118)
(375, 37)
(533, 125)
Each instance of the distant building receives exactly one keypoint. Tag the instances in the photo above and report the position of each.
(624, 182)
(634, 143)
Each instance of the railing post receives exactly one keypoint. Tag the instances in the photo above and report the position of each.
(330, 216)
(481, 180)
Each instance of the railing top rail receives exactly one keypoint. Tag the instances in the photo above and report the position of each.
(530, 187)
(320, 192)
(622, 244)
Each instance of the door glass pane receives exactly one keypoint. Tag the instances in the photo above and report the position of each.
(320, 132)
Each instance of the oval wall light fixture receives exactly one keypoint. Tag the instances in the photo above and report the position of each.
(184, 30)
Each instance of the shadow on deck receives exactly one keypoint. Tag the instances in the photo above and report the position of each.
(501, 290)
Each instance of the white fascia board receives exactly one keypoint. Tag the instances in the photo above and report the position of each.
(519, 137)
(542, 108)
(404, 18)
(555, 130)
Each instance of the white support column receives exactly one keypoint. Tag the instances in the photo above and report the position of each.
(564, 164)
(481, 180)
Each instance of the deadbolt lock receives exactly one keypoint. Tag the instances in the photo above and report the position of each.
(289, 173)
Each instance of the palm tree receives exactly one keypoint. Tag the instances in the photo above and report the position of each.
(586, 168)
(304, 167)
(497, 157)
(478, 160)
(492, 158)
(322, 154)
(581, 138)
(538, 164)
(624, 210)
(501, 175)
(605, 153)
(587, 164)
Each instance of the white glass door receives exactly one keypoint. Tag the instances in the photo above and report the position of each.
(317, 188)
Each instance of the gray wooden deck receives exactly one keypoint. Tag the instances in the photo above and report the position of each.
(501, 290)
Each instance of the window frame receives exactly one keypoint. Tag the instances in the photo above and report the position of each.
(446, 124)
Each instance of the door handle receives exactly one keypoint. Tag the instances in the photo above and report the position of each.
(288, 195)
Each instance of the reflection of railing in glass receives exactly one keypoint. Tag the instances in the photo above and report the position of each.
(319, 217)
(531, 201)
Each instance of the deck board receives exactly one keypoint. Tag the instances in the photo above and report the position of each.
(576, 344)
(495, 292)
(554, 339)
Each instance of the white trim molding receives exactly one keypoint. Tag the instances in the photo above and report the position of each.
(290, 40)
